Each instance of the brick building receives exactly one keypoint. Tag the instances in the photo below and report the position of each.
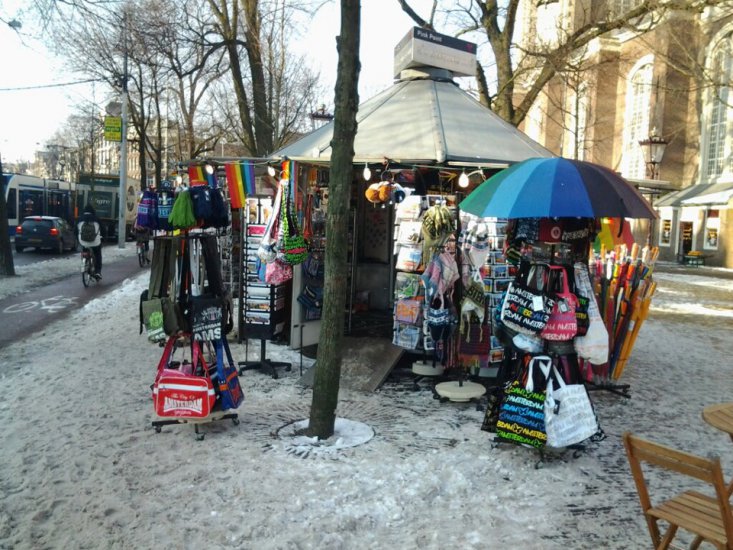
(673, 81)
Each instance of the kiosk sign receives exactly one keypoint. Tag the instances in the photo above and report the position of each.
(421, 47)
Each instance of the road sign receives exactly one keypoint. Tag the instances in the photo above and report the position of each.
(113, 128)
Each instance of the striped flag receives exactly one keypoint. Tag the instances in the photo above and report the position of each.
(235, 183)
(196, 175)
(249, 178)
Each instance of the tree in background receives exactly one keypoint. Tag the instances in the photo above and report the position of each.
(328, 367)
(522, 73)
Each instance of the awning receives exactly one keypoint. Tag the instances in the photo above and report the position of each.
(714, 196)
(424, 121)
(701, 194)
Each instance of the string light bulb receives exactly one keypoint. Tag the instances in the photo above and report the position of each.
(270, 170)
(209, 169)
(463, 180)
(367, 173)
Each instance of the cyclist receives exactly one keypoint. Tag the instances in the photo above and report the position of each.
(92, 241)
(142, 235)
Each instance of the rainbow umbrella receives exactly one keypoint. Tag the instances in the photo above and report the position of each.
(557, 188)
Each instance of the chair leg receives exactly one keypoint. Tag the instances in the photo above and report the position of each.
(667, 539)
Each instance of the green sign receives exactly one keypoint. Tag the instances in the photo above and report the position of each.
(113, 128)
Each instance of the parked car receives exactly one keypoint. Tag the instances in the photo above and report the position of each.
(45, 232)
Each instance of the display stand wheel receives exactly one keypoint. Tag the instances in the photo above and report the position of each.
(427, 368)
(460, 392)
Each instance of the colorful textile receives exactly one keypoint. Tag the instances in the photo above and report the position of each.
(235, 184)
(196, 175)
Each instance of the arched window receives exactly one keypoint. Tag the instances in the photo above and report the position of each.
(636, 123)
(717, 151)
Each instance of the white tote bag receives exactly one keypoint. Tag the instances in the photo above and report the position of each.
(594, 345)
(569, 415)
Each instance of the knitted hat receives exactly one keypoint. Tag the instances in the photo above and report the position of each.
(372, 193)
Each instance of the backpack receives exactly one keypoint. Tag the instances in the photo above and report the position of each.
(87, 233)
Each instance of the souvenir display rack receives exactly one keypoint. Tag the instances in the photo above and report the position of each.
(262, 311)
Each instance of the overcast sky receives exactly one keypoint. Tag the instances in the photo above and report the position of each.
(29, 117)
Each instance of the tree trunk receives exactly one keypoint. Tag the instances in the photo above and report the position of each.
(262, 119)
(7, 268)
(328, 365)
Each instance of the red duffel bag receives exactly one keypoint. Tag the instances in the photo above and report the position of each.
(182, 394)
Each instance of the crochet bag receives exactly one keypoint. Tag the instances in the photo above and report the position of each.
(294, 249)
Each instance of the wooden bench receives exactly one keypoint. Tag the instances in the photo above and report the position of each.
(695, 260)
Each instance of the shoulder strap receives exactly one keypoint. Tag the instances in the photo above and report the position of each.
(212, 262)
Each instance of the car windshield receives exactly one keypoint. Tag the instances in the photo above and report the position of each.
(30, 225)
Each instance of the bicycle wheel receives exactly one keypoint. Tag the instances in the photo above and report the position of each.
(141, 256)
(86, 276)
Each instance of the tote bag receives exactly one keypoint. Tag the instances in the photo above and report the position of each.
(522, 412)
(562, 324)
(526, 308)
(594, 345)
(569, 415)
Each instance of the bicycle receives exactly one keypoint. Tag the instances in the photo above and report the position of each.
(87, 267)
(142, 254)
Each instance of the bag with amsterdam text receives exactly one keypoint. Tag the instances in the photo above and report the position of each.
(562, 324)
(526, 308)
(522, 412)
(179, 392)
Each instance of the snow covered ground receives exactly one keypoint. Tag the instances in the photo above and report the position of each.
(81, 466)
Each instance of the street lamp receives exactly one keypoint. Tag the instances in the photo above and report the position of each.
(653, 148)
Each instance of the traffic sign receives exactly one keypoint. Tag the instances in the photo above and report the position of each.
(113, 128)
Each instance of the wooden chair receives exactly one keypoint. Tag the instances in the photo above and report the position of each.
(707, 517)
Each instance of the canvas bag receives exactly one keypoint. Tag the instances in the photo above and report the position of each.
(562, 324)
(267, 249)
(594, 345)
(522, 411)
(207, 317)
(230, 391)
(526, 308)
(569, 414)
(159, 314)
(181, 395)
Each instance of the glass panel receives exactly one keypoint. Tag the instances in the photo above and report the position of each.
(637, 122)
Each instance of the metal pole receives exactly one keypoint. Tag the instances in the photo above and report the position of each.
(121, 233)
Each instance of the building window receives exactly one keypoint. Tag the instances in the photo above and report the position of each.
(637, 121)
(576, 120)
(712, 227)
(665, 233)
(622, 6)
(718, 154)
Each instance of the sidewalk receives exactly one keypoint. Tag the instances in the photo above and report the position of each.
(704, 271)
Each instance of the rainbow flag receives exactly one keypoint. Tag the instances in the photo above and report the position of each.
(196, 175)
(249, 178)
(235, 183)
